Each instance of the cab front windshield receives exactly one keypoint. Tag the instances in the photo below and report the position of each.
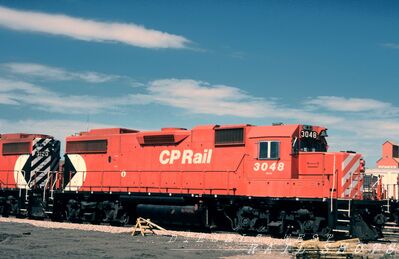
(313, 145)
(311, 142)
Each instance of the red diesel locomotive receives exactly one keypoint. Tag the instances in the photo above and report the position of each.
(276, 179)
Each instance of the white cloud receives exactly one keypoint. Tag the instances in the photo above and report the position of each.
(23, 93)
(342, 104)
(57, 74)
(372, 128)
(10, 89)
(89, 30)
(390, 45)
(195, 97)
(200, 97)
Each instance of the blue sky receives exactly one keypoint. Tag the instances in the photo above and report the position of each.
(69, 65)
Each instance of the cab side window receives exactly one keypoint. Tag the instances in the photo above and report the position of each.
(269, 150)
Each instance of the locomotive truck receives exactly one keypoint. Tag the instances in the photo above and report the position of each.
(277, 179)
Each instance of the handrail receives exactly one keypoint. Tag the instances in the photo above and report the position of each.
(45, 185)
(30, 180)
(53, 185)
(333, 186)
(109, 187)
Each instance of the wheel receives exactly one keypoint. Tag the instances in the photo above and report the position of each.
(124, 219)
(325, 233)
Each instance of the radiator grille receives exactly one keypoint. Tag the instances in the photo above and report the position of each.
(87, 146)
(229, 136)
(159, 140)
(17, 148)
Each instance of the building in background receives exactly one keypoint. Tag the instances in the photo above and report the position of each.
(390, 156)
(386, 175)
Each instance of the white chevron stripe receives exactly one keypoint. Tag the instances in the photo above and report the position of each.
(347, 161)
(37, 179)
(78, 179)
(36, 140)
(37, 150)
(349, 174)
(43, 164)
(38, 173)
(353, 186)
(18, 174)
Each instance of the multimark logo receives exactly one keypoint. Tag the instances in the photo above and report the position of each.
(188, 156)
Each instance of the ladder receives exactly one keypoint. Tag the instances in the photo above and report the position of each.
(387, 207)
(49, 206)
(145, 226)
(24, 205)
(343, 216)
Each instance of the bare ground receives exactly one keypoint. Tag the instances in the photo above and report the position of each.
(23, 238)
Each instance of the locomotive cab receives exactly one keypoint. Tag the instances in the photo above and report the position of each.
(310, 139)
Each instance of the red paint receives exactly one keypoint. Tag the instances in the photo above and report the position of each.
(192, 163)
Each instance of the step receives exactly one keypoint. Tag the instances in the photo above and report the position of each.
(343, 210)
(341, 230)
(343, 220)
(391, 227)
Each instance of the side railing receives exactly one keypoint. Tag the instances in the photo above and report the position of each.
(113, 181)
(12, 179)
(137, 181)
(16, 179)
